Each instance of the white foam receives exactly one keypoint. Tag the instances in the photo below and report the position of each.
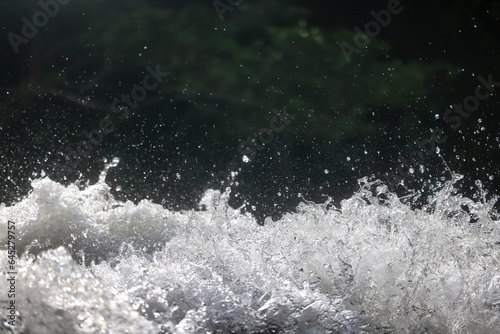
(370, 265)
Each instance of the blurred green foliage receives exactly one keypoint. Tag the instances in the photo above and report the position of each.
(269, 56)
(225, 79)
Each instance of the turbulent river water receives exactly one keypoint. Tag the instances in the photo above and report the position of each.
(87, 263)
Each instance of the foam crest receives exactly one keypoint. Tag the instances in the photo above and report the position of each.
(370, 264)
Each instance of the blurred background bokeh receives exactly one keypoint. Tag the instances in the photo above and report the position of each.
(362, 115)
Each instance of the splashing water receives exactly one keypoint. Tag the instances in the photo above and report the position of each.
(91, 264)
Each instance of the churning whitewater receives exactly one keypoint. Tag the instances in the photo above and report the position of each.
(91, 264)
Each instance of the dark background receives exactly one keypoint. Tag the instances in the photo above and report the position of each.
(351, 119)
